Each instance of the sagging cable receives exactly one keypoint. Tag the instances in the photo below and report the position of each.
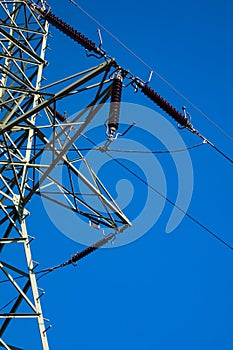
(89, 45)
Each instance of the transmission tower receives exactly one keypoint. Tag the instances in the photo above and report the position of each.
(40, 154)
(31, 126)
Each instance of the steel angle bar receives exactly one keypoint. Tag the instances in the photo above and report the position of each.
(3, 344)
(18, 315)
(61, 156)
(22, 47)
(59, 95)
(13, 268)
(15, 284)
(11, 240)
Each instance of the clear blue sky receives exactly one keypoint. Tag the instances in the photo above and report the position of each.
(163, 291)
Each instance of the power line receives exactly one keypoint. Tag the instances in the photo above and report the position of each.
(220, 152)
(72, 261)
(213, 146)
(10, 302)
(165, 197)
(80, 255)
(181, 119)
(150, 152)
(224, 132)
(25, 148)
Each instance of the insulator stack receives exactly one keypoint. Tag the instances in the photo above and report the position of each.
(162, 103)
(69, 31)
(80, 255)
(114, 114)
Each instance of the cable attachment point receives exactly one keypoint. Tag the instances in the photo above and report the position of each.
(102, 52)
(188, 117)
(137, 82)
(204, 139)
(140, 81)
(119, 134)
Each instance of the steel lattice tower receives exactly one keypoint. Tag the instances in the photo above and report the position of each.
(30, 125)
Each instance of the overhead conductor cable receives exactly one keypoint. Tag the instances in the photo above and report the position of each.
(151, 69)
(146, 90)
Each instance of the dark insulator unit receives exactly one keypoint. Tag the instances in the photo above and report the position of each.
(114, 114)
(69, 31)
(162, 103)
(80, 255)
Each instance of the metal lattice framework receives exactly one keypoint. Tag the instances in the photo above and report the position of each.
(37, 142)
(30, 125)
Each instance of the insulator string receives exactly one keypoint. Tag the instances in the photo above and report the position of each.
(69, 31)
(164, 105)
(146, 90)
(154, 71)
(79, 255)
(114, 114)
